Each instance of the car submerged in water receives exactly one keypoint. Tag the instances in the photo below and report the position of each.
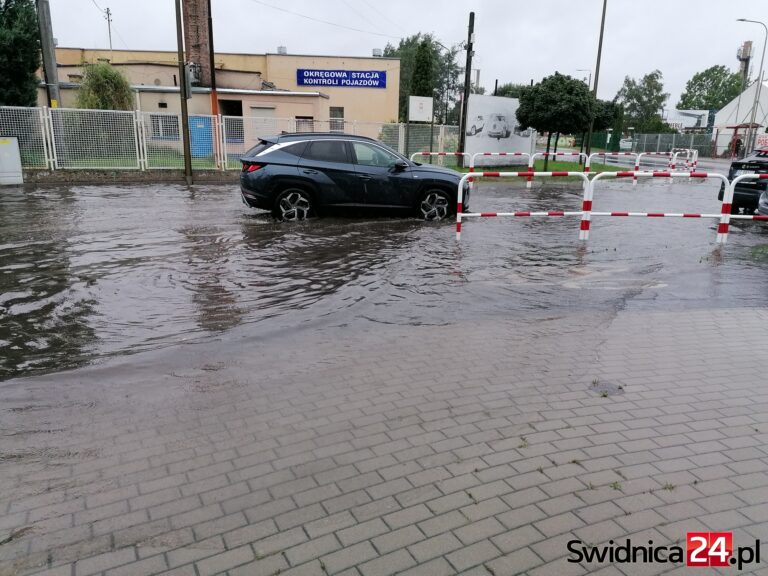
(299, 175)
(747, 194)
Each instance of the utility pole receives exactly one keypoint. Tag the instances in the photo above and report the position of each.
(108, 17)
(467, 83)
(597, 77)
(214, 96)
(50, 70)
(184, 96)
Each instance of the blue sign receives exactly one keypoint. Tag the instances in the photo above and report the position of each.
(342, 78)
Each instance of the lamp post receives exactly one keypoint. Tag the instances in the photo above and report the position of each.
(751, 133)
(589, 83)
(597, 75)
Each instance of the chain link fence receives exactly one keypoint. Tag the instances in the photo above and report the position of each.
(708, 145)
(62, 138)
(28, 126)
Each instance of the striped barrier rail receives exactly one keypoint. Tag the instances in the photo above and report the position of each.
(484, 154)
(460, 196)
(552, 156)
(722, 229)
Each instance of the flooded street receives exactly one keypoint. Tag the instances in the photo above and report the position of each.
(91, 272)
(194, 388)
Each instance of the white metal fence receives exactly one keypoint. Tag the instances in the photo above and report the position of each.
(115, 140)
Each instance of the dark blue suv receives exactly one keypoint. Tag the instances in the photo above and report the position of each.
(303, 174)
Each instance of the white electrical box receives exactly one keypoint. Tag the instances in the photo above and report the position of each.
(10, 162)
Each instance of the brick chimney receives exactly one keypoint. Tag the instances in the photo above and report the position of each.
(196, 37)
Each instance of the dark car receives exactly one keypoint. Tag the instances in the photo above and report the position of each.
(302, 174)
(747, 193)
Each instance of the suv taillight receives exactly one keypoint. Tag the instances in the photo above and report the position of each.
(249, 167)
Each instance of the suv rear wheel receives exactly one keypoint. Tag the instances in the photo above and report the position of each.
(293, 204)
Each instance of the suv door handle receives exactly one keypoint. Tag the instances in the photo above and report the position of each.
(363, 177)
(308, 171)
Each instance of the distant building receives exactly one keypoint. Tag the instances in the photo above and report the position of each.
(732, 121)
(689, 121)
(303, 88)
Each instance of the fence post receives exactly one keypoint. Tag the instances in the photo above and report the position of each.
(401, 139)
(49, 117)
(222, 134)
(45, 137)
(137, 134)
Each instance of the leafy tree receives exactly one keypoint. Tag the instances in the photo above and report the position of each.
(606, 112)
(19, 53)
(510, 90)
(104, 88)
(446, 79)
(711, 89)
(558, 103)
(642, 101)
(423, 80)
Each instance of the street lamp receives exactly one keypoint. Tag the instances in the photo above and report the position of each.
(597, 75)
(589, 84)
(750, 137)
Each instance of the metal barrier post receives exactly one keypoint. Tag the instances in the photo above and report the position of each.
(726, 216)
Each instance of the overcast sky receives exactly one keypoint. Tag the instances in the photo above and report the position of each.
(515, 41)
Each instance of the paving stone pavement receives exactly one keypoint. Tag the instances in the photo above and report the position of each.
(478, 449)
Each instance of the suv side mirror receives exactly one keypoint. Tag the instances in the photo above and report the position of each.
(400, 165)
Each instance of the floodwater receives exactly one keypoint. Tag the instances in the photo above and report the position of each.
(90, 272)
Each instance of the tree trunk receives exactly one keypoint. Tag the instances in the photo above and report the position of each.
(546, 156)
(557, 139)
(583, 138)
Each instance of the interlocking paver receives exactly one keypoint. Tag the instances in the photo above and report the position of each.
(432, 470)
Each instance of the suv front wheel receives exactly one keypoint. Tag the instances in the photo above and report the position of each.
(435, 205)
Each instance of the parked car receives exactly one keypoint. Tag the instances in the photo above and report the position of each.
(747, 193)
(475, 125)
(299, 175)
(499, 127)
(625, 144)
(762, 204)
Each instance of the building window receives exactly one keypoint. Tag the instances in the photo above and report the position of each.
(337, 119)
(231, 107)
(305, 124)
(164, 126)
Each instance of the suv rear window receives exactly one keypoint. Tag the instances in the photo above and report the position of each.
(260, 147)
(295, 149)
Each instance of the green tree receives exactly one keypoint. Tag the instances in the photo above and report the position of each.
(423, 79)
(643, 100)
(558, 103)
(19, 53)
(711, 89)
(446, 75)
(104, 88)
(510, 90)
(605, 112)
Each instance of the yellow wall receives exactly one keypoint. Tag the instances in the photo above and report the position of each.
(246, 71)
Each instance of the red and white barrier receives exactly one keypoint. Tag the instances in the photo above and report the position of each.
(587, 213)
(528, 175)
(722, 232)
(491, 154)
(552, 156)
(427, 154)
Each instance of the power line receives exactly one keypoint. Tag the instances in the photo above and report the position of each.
(381, 14)
(98, 7)
(355, 10)
(324, 21)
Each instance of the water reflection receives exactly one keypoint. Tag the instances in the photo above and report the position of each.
(45, 309)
